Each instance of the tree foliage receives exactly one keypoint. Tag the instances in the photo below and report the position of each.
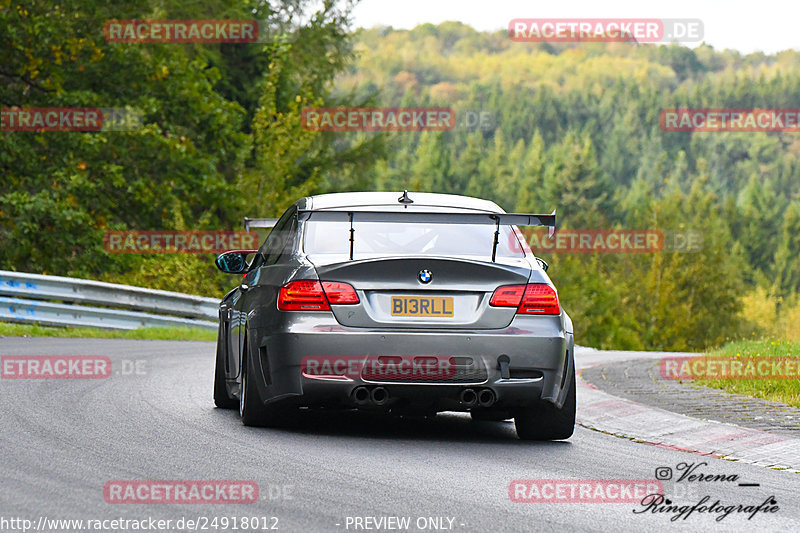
(576, 127)
(573, 127)
(216, 120)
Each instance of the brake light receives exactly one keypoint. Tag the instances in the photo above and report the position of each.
(340, 293)
(530, 299)
(539, 299)
(311, 295)
(507, 296)
(302, 295)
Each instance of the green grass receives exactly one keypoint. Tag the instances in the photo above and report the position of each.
(176, 334)
(779, 390)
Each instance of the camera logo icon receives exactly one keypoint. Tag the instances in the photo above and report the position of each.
(663, 473)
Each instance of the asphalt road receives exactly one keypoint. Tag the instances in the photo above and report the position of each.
(63, 440)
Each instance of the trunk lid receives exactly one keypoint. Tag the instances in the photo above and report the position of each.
(392, 293)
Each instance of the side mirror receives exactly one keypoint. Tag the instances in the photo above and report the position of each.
(234, 262)
(543, 264)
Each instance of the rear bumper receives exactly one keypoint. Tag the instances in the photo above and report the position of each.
(538, 351)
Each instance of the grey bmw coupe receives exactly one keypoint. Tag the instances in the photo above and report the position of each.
(404, 303)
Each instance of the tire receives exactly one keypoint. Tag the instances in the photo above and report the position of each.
(486, 415)
(545, 421)
(252, 410)
(221, 397)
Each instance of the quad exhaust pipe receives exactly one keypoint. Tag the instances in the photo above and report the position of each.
(468, 397)
(481, 397)
(364, 396)
(361, 395)
(379, 396)
(486, 397)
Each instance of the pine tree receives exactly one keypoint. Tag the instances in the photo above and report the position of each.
(787, 258)
(574, 183)
(531, 189)
(759, 225)
(431, 169)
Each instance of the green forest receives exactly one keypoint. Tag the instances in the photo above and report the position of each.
(571, 127)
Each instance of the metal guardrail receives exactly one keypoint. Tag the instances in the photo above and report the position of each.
(30, 298)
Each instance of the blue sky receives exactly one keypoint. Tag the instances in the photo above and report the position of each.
(747, 26)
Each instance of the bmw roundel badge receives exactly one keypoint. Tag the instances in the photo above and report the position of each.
(425, 276)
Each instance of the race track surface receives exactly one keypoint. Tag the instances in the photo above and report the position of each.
(63, 440)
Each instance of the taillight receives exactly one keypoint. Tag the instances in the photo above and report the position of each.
(311, 295)
(507, 296)
(340, 293)
(530, 299)
(302, 295)
(539, 299)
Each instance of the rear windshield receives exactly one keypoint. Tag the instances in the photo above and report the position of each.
(388, 238)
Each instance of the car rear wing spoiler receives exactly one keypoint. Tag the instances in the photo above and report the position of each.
(259, 223)
(431, 217)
